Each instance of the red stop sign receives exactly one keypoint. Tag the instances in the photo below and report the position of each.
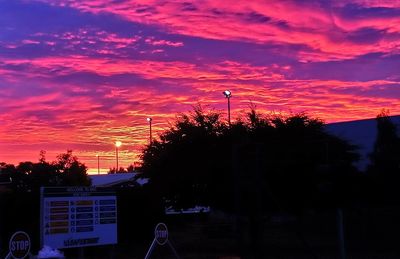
(161, 234)
(20, 245)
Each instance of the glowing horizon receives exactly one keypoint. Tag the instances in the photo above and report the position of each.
(80, 75)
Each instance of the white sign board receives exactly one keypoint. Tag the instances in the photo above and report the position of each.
(78, 217)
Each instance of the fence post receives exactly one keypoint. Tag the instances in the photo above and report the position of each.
(340, 230)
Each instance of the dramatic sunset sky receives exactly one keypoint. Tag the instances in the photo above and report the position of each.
(81, 74)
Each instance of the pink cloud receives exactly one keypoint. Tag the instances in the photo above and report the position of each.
(102, 42)
(113, 38)
(320, 28)
(30, 42)
(154, 42)
(370, 3)
(157, 51)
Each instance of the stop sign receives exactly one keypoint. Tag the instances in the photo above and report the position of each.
(161, 234)
(20, 245)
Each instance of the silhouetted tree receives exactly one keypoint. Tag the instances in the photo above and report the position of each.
(43, 173)
(42, 156)
(65, 171)
(290, 160)
(384, 165)
(120, 170)
(130, 169)
(182, 163)
(72, 171)
(311, 164)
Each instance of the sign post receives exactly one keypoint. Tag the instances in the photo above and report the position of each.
(19, 246)
(160, 238)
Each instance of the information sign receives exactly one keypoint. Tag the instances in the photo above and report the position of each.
(78, 217)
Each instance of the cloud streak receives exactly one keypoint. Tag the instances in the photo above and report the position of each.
(321, 26)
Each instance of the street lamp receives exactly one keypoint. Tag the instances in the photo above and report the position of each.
(117, 145)
(228, 95)
(149, 120)
(98, 164)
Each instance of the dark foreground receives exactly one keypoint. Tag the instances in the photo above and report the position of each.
(369, 233)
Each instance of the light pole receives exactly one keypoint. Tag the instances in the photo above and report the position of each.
(98, 164)
(228, 95)
(117, 145)
(149, 120)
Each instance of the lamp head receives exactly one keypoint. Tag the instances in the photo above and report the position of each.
(149, 119)
(118, 143)
(227, 93)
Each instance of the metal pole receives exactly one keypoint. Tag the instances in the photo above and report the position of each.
(112, 252)
(340, 228)
(116, 154)
(98, 164)
(173, 250)
(229, 111)
(151, 137)
(81, 253)
(153, 244)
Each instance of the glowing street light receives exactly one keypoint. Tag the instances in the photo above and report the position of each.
(228, 95)
(117, 145)
(149, 120)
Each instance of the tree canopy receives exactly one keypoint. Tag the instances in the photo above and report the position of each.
(289, 161)
(66, 170)
(384, 167)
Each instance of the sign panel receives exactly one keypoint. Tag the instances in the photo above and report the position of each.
(20, 245)
(161, 234)
(78, 217)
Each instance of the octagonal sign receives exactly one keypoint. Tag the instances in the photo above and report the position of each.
(161, 234)
(20, 245)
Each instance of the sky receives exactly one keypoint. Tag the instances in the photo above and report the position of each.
(80, 74)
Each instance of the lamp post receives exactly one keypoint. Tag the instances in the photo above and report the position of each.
(228, 95)
(98, 164)
(117, 145)
(149, 120)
